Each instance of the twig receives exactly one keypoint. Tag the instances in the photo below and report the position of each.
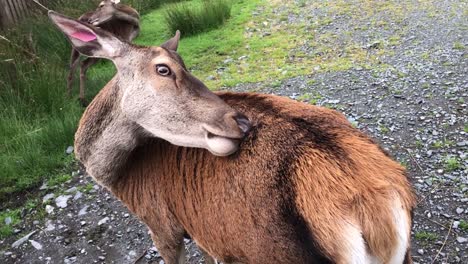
(24, 50)
(443, 244)
(37, 2)
(435, 222)
(141, 256)
(415, 161)
(421, 169)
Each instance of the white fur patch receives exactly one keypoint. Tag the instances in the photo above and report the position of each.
(402, 226)
(355, 246)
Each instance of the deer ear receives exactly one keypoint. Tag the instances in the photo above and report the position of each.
(115, 1)
(173, 43)
(88, 40)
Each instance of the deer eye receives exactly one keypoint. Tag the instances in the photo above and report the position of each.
(163, 70)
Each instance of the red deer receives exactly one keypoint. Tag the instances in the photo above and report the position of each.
(251, 178)
(110, 15)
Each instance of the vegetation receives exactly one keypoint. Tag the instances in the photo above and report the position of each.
(463, 225)
(38, 120)
(8, 219)
(425, 236)
(195, 17)
(451, 163)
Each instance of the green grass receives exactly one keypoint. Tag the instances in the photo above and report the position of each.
(425, 236)
(439, 144)
(451, 164)
(311, 98)
(7, 230)
(383, 129)
(463, 225)
(458, 45)
(197, 16)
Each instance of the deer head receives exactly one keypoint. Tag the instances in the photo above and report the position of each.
(104, 12)
(158, 93)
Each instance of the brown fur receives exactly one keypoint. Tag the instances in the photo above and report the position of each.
(295, 184)
(279, 199)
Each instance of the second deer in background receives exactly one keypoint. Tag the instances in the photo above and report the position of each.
(121, 20)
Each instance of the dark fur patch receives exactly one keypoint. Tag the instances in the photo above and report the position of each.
(408, 258)
(297, 226)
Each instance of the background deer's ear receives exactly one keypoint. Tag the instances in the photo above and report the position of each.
(88, 40)
(173, 43)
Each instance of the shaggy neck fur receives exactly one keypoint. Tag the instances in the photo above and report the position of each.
(105, 138)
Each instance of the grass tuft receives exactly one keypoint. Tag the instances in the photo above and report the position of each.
(425, 236)
(194, 17)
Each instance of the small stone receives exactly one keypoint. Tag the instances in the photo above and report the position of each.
(62, 200)
(49, 209)
(101, 258)
(69, 150)
(459, 210)
(71, 190)
(78, 195)
(47, 197)
(82, 223)
(462, 239)
(36, 222)
(69, 260)
(103, 221)
(20, 241)
(210, 78)
(421, 251)
(44, 186)
(161, 261)
(83, 210)
(50, 226)
(126, 215)
(36, 244)
(8, 221)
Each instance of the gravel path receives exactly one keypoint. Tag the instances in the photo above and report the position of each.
(412, 98)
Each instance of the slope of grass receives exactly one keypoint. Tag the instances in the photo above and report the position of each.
(38, 120)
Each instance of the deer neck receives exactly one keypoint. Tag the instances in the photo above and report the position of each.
(105, 138)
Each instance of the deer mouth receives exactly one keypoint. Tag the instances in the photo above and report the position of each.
(224, 143)
(221, 145)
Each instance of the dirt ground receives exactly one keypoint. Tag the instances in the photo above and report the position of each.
(416, 107)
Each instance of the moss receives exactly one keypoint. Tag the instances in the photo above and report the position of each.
(458, 45)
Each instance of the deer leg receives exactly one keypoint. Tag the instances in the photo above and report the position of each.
(74, 59)
(88, 62)
(170, 246)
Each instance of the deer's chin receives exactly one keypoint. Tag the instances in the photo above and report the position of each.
(221, 146)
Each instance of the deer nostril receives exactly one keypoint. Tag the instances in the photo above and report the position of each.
(242, 122)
